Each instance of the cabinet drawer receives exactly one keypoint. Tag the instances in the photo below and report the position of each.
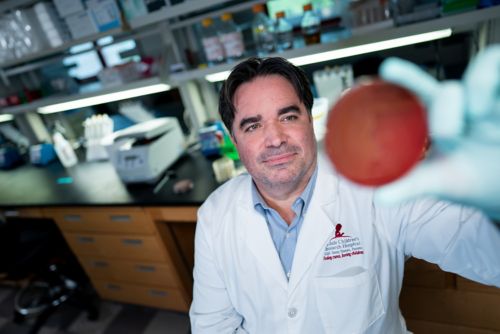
(171, 299)
(132, 247)
(186, 214)
(111, 219)
(22, 213)
(161, 274)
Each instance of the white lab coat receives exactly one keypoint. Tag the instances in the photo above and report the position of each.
(347, 284)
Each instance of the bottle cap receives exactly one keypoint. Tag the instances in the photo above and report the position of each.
(207, 22)
(307, 7)
(226, 17)
(258, 8)
(280, 14)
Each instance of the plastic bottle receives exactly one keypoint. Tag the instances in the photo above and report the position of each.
(284, 32)
(212, 46)
(310, 25)
(64, 150)
(231, 38)
(263, 31)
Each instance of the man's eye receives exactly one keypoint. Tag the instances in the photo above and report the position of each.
(252, 127)
(289, 118)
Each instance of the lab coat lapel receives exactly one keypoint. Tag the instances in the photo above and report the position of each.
(258, 239)
(317, 228)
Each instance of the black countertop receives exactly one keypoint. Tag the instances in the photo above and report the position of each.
(98, 184)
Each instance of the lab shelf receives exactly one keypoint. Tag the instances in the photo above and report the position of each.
(33, 106)
(7, 5)
(60, 49)
(376, 33)
(186, 7)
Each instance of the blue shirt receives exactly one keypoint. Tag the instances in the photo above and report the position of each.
(285, 236)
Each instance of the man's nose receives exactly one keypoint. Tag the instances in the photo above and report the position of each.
(275, 135)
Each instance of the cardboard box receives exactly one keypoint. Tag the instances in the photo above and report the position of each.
(68, 7)
(429, 327)
(424, 274)
(468, 285)
(454, 307)
(105, 14)
(81, 24)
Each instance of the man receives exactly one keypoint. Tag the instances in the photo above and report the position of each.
(292, 247)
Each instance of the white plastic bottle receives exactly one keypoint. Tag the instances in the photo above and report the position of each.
(212, 46)
(231, 38)
(310, 25)
(64, 150)
(263, 31)
(284, 32)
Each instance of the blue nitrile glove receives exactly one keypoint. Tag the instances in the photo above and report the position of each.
(464, 123)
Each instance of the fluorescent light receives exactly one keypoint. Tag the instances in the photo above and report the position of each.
(370, 47)
(353, 50)
(219, 76)
(104, 98)
(6, 118)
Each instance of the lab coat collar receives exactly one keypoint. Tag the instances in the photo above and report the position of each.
(317, 227)
(258, 239)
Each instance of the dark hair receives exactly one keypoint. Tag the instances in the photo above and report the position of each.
(253, 67)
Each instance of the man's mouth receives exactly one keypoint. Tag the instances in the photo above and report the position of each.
(279, 159)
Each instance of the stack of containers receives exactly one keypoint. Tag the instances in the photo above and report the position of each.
(90, 18)
(53, 27)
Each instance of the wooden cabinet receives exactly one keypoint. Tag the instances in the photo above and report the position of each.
(434, 301)
(128, 256)
(33, 212)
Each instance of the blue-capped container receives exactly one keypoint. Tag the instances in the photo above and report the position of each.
(9, 157)
(42, 154)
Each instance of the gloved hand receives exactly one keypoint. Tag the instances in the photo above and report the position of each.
(464, 123)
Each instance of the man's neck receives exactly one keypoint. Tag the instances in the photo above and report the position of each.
(283, 207)
(281, 199)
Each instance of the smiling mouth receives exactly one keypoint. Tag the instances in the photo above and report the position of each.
(279, 159)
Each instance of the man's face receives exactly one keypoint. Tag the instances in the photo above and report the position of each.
(273, 133)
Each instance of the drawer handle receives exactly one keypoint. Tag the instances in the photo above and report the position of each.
(158, 293)
(113, 287)
(100, 264)
(86, 240)
(132, 242)
(73, 218)
(145, 269)
(11, 213)
(121, 218)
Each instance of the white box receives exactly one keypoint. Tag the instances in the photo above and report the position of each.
(53, 27)
(81, 24)
(68, 7)
(105, 13)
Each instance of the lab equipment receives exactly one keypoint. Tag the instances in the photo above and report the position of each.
(465, 129)
(9, 157)
(212, 46)
(231, 38)
(284, 32)
(64, 150)
(96, 128)
(42, 154)
(142, 152)
(310, 25)
(262, 31)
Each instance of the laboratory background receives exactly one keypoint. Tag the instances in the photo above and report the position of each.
(110, 141)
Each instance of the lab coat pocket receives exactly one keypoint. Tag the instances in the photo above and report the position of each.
(349, 304)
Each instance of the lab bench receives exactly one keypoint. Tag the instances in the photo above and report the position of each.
(135, 244)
